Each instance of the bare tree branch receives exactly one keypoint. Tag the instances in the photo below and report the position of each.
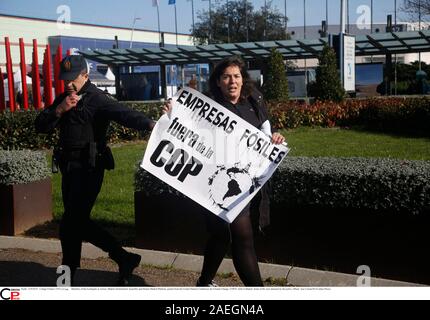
(413, 7)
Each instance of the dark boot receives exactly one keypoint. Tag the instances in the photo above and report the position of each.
(72, 276)
(210, 284)
(127, 262)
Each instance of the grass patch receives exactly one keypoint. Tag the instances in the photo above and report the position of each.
(163, 267)
(225, 275)
(115, 203)
(337, 142)
(278, 282)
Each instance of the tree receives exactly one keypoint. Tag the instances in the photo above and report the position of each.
(327, 85)
(413, 7)
(237, 13)
(407, 82)
(275, 85)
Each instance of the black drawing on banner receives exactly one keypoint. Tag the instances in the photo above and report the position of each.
(228, 184)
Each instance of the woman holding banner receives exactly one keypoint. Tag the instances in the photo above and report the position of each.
(231, 86)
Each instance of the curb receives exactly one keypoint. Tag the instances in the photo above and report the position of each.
(295, 276)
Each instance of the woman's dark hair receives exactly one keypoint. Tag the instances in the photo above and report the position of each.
(247, 86)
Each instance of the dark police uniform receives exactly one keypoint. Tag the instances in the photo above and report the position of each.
(83, 156)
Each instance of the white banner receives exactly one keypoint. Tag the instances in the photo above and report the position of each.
(210, 154)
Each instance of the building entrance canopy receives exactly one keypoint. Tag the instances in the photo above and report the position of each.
(366, 45)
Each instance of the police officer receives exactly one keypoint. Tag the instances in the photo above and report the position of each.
(82, 114)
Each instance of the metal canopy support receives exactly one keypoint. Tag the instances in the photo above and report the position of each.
(307, 48)
(163, 81)
(427, 38)
(377, 45)
(402, 41)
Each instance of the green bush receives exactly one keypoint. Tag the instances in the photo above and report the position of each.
(276, 84)
(22, 166)
(398, 115)
(387, 114)
(118, 133)
(361, 183)
(17, 129)
(327, 86)
(355, 183)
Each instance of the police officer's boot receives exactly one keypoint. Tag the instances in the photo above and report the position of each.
(72, 276)
(127, 262)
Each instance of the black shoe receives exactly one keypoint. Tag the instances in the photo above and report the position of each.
(210, 284)
(126, 266)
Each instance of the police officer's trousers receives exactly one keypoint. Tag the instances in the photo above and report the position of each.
(80, 188)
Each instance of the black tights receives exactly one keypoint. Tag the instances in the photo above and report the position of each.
(244, 257)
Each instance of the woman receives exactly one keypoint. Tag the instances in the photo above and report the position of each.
(231, 86)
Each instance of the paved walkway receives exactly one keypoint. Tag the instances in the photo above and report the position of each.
(33, 262)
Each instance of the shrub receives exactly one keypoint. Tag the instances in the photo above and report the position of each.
(359, 183)
(397, 114)
(276, 84)
(400, 115)
(376, 184)
(17, 129)
(118, 133)
(327, 86)
(22, 166)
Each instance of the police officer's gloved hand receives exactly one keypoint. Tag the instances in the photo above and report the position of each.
(167, 107)
(152, 125)
(144, 134)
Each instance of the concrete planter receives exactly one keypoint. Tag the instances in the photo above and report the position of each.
(169, 223)
(23, 206)
(393, 245)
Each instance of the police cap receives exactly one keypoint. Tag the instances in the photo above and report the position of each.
(72, 66)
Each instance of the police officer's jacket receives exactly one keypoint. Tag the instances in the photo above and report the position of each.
(89, 120)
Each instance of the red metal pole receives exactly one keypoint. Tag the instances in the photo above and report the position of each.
(60, 57)
(33, 80)
(47, 77)
(2, 102)
(36, 78)
(23, 75)
(44, 76)
(59, 84)
(56, 75)
(11, 84)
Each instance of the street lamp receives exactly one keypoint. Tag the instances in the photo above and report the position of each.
(132, 30)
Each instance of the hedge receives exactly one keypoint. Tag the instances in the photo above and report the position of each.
(17, 129)
(118, 133)
(17, 132)
(350, 183)
(410, 115)
(361, 183)
(398, 115)
(22, 166)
